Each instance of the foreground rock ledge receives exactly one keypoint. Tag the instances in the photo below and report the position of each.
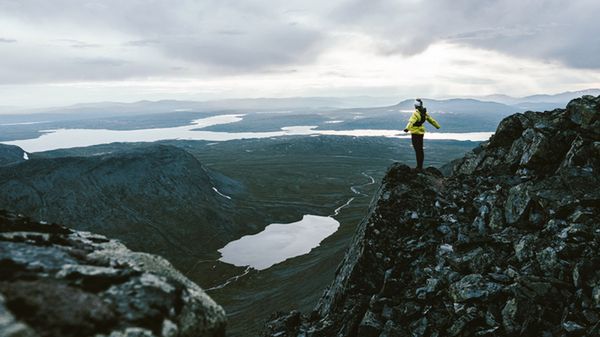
(59, 282)
(507, 245)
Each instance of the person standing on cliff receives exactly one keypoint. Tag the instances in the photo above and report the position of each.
(417, 130)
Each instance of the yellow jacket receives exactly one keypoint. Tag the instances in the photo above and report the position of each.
(419, 130)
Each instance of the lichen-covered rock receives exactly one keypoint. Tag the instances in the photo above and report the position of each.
(507, 245)
(59, 282)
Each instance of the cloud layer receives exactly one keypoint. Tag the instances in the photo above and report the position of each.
(66, 41)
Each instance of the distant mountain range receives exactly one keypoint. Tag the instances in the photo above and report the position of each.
(272, 114)
(105, 109)
(541, 102)
(562, 98)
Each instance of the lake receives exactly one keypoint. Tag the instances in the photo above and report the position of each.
(69, 138)
(278, 242)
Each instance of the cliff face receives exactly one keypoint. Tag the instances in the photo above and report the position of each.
(507, 245)
(59, 282)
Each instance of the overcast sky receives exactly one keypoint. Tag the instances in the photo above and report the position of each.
(67, 51)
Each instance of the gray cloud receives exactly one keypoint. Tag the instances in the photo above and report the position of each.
(212, 37)
(246, 53)
(568, 32)
(78, 44)
(141, 43)
(102, 62)
(57, 68)
(230, 32)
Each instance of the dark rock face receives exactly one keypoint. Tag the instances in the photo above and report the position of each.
(508, 245)
(59, 282)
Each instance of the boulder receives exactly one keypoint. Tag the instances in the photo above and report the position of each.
(473, 287)
(517, 204)
(370, 326)
(584, 112)
(509, 129)
(58, 282)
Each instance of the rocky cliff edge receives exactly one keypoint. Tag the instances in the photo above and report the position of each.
(507, 245)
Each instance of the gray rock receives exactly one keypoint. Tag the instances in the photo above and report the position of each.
(548, 260)
(169, 329)
(497, 221)
(93, 278)
(419, 327)
(573, 327)
(596, 296)
(510, 316)
(591, 316)
(573, 158)
(581, 216)
(576, 275)
(390, 329)
(146, 298)
(370, 326)
(35, 258)
(488, 332)
(10, 326)
(517, 204)
(461, 323)
(536, 151)
(387, 313)
(509, 129)
(408, 309)
(133, 332)
(584, 113)
(575, 232)
(51, 304)
(116, 292)
(430, 287)
(524, 249)
(473, 287)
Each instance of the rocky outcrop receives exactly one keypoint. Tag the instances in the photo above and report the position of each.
(58, 282)
(507, 245)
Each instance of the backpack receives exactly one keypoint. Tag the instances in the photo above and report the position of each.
(423, 113)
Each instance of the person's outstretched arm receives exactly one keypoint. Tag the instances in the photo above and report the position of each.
(433, 122)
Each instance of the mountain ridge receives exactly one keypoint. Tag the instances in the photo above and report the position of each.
(155, 198)
(505, 246)
(562, 97)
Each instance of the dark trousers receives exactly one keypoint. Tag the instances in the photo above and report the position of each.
(417, 143)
